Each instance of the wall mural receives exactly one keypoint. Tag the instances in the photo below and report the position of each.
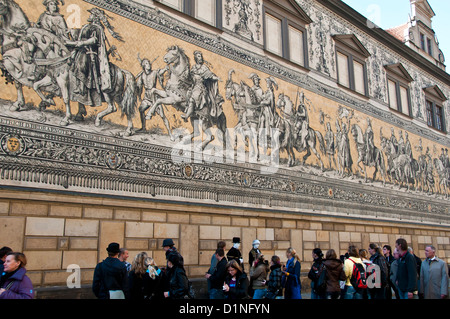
(165, 91)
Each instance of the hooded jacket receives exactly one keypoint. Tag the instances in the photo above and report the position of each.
(110, 274)
(20, 286)
(335, 273)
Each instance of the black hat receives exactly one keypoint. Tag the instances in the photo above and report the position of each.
(236, 240)
(113, 248)
(168, 242)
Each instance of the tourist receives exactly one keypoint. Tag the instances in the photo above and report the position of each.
(123, 256)
(274, 286)
(217, 277)
(110, 276)
(15, 284)
(258, 276)
(314, 274)
(350, 291)
(236, 282)
(178, 283)
(407, 271)
(433, 276)
(378, 259)
(291, 276)
(335, 274)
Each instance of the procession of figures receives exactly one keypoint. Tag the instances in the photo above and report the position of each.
(76, 65)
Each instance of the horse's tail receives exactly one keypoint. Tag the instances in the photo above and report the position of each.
(129, 97)
(321, 142)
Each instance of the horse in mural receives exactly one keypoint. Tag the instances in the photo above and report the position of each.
(284, 123)
(247, 109)
(400, 164)
(444, 176)
(177, 93)
(20, 47)
(378, 159)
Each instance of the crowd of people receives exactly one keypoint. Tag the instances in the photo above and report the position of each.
(375, 273)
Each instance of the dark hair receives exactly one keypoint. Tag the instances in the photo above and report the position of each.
(234, 264)
(5, 251)
(220, 252)
(376, 247)
(402, 243)
(318, 252)
(388, 248)
(352, 251)
(20, 258)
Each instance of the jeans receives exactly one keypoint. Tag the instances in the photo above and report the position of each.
(316, 296)
(259, 293)
(351, 293)
(216, 294)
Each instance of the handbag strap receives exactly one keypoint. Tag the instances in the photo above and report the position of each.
(9, 285)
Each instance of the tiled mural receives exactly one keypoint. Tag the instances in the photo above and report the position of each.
(120, 98)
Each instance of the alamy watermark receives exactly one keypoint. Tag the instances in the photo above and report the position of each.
(234, 146)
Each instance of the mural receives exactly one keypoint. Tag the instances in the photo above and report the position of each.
(165, 94)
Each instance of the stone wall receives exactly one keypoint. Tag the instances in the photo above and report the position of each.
(55, 231)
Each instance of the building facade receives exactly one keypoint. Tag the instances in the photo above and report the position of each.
(298, 123)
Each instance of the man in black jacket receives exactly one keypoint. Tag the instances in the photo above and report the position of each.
(407, 271)
(217, 278)
(111, 276)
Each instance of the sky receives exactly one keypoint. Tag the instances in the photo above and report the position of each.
(391, 13)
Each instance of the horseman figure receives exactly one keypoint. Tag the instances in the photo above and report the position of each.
(204, 99)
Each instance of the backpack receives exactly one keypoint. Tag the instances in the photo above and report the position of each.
(358, 279)
(320, 284)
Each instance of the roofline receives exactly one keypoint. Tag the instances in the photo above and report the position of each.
(358, 20)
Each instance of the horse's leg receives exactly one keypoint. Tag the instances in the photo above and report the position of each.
(20, 102)
(47, 80)
(166, 122)
(162, 96)
(109, 109)
(63, 83)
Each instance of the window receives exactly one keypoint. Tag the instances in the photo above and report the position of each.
(430, 46)
(284, 31)
(398, 80)
(177, 4)
(273, 35)
(351, 63)
(434, 99)
(205, 10)
(422, 42)
(208, 11)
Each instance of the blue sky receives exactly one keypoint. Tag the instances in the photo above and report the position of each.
(391, 13)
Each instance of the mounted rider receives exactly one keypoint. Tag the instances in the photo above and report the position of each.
(52, 21)
(302, 126)
(370, 147)
(91, 67)
(203, 98)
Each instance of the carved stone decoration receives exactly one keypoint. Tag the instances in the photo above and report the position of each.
(244, 18)
(12, 144)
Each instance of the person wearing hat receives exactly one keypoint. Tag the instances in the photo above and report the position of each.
(52, 21)
(178, 283)
(235, 253)
(169, 248)
(110, 276)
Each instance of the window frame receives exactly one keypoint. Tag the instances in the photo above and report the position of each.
(400, 76)
(288, 19)
(188, 8)
(435, 98)
(351, 58)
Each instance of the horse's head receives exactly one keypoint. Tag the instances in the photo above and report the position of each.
(13, 16)
(173, 54)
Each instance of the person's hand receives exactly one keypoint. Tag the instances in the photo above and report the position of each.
(2, 291)
(410, 295)
(226, 288)
(166, 294)
(207, 276)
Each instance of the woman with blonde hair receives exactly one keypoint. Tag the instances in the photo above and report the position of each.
(291, 275)
(143, 277)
